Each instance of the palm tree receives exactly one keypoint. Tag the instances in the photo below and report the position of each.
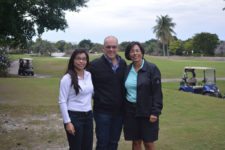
(164, 30)
(224, 8)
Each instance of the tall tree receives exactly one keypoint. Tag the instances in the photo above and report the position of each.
(4, 62)
(163, 30)
(123, 45)
(224, 8)
(21, 20)
(43, 47)
(60, 45)
(205, 43)
(68, 46)
(96, 48)
(176, 47)
(188, 47)
(151, 47)
(220, 50)
(87, 44)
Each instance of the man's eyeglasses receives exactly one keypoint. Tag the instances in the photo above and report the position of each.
(111, 46)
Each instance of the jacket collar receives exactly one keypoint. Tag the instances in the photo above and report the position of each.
(144, 67)
(103, 57)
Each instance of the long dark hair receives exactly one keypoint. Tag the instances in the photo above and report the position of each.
(72, 72)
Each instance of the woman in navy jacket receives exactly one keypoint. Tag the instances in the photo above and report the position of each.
(143, 99)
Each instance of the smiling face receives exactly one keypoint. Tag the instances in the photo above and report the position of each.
(136, 54)
(80, 61)
(110, 47)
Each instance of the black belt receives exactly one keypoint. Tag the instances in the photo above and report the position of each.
(131, 103)
(79, 113)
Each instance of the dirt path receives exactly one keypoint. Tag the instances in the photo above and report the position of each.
(179, 79)
(38, 128)
(39, 132)
(14, 66)
(192, 58)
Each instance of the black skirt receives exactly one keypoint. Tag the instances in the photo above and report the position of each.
(139, 127)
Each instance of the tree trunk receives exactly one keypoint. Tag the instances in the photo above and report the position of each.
(164, 54)
(167, 51)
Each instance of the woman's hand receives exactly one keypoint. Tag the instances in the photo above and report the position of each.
(153, 118)
(70, 128)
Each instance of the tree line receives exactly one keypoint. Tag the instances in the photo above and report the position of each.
(203, 44)
(20, 21)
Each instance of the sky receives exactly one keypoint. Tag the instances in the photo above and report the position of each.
(133, 20)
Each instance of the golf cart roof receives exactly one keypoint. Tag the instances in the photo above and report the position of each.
(198, 68)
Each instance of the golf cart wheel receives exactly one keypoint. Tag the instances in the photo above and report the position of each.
(208, 94)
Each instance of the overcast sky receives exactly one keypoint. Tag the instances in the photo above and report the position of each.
(131, 20)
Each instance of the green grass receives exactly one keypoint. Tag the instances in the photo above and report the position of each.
(173, 68)
(25, 90)
(29, 95)
(188, 121)
(30, 114)
(54, 67)
(30, 118)
(170, 68)
(191, 121)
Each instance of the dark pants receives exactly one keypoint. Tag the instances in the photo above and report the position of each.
(83, 124)
(108, 130)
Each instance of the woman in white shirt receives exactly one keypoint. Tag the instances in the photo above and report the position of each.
(75, 96)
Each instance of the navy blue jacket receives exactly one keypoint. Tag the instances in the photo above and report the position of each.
(149, 91)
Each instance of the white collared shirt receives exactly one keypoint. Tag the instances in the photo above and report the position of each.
(68, 100)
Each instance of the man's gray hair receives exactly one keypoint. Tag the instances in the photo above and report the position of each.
(110, 37)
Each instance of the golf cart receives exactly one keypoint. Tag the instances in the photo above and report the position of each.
(205, 83)
(25, 67)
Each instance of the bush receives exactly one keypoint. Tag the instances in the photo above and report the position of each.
(4, 63)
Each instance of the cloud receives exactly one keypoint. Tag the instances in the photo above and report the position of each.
(133, 20)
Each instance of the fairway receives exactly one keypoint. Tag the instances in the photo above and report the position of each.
(30, 117)
(170, 67)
